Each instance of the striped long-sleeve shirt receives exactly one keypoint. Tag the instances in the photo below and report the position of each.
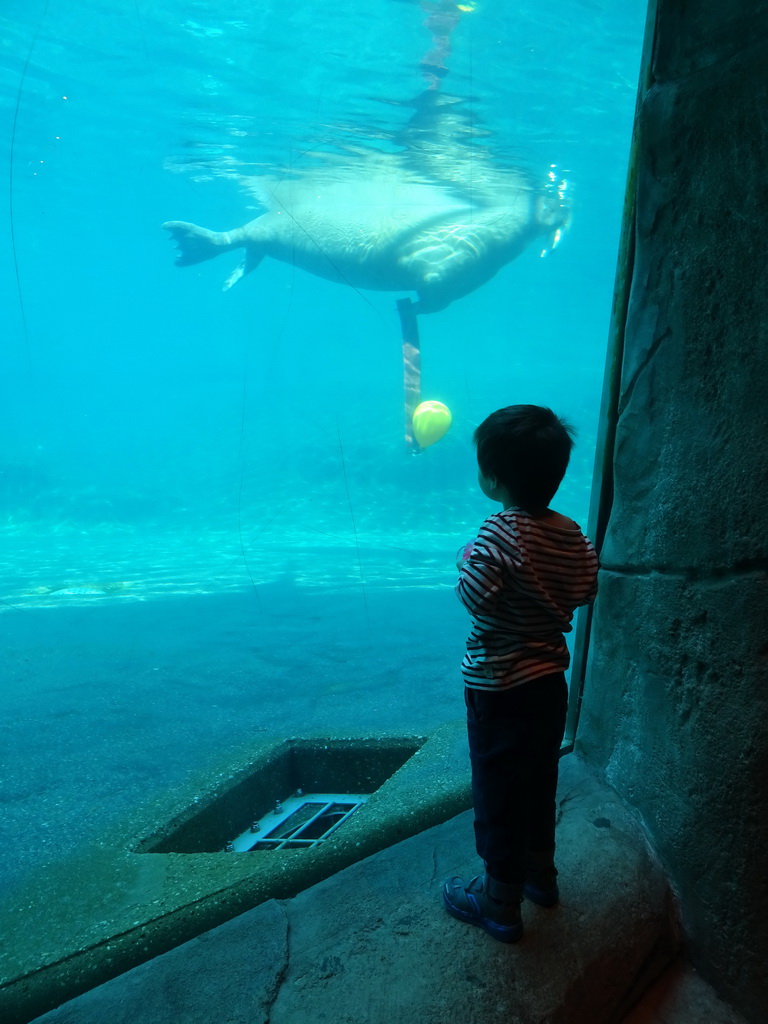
(521, 582)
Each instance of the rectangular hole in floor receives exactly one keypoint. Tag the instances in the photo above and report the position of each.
(337, 775)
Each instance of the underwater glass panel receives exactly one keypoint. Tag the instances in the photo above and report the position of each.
(213, 528)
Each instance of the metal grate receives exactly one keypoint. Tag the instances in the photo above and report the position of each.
(299, 822)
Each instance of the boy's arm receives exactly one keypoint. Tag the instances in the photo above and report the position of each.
(463, 554)
(480, 576)
(593, 567)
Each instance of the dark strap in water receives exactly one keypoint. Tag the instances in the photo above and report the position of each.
(411, 367)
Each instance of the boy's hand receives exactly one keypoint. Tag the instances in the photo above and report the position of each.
(464, 552)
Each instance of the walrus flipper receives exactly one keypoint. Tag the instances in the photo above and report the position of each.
(250, 263)
(197, 244)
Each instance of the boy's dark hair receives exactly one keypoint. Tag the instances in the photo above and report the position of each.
(526, 448)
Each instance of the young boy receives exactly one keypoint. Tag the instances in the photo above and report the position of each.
(520, 580)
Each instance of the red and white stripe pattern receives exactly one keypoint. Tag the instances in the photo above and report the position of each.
(521, 584)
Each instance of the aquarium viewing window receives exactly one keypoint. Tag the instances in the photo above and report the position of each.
(268, 267)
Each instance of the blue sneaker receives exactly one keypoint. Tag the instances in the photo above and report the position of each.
(491, 905)
(543, 895)
(541, 881)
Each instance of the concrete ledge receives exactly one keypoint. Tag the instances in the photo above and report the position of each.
(681, 996)
(96, 916)
(373, 943)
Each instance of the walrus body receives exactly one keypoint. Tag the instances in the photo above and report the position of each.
(380, 227)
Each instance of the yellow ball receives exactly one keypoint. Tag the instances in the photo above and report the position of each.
(430, 422)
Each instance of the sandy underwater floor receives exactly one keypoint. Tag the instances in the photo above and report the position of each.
(106, 704)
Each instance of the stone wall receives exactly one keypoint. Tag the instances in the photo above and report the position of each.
(676, 701)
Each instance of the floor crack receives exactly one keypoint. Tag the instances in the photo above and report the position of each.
(561, 807)
(280, 976)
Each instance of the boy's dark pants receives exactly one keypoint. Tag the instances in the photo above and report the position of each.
(514, 750)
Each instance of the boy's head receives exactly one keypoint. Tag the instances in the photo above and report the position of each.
(526, 449)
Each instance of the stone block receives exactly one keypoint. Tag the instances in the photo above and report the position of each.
(675, 710)
(691, 413)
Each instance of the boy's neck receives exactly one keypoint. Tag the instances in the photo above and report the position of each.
(555, 518)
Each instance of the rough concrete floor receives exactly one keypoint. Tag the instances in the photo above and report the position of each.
(373, 943)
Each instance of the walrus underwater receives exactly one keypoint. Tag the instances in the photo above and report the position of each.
(436, 220)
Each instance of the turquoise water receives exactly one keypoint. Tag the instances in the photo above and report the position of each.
(210, 523)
